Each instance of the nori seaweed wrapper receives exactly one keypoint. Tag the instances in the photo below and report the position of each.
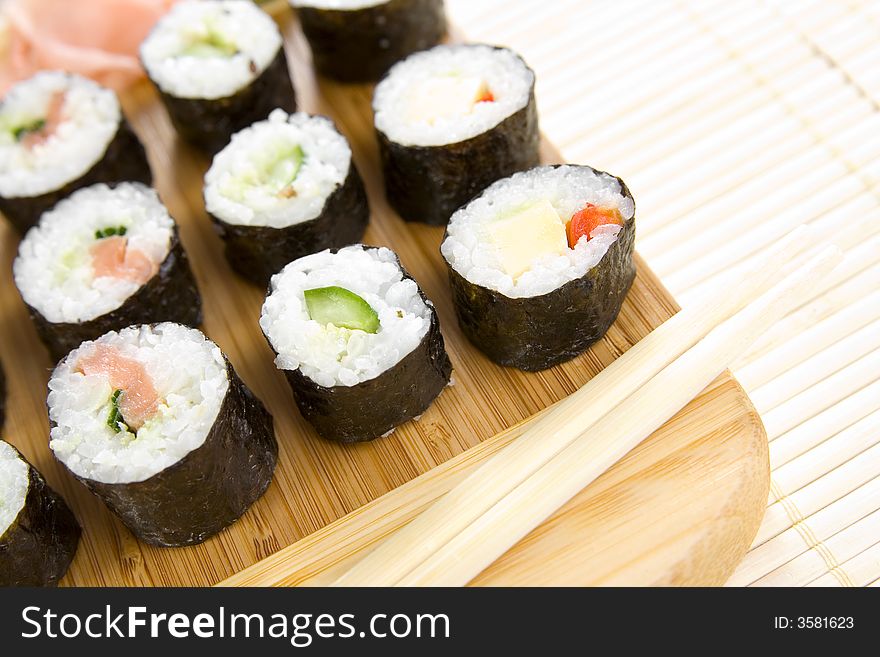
(39, 545)
(258, 252)
(360, 45)
(209, 124)
(534, 333)
(374, 407)
(171, 295)
(429, 183)
(209, 488)
(125, 160)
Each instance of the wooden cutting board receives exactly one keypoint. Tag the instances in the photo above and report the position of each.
(681, 509)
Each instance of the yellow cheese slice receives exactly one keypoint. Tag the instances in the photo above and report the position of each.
(528, 234)
(444, 97)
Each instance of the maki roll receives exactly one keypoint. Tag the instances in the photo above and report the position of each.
(540, 263)
(284, 188)
(450, 121)
(38, 533)
(60, 132)
(154, 421)
(359, 342)
(219, 66)
(358, 40)
(104, 259)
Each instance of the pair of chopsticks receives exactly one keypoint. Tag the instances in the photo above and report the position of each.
(513, 492)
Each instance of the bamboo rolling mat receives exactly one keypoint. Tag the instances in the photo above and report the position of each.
(732, 123)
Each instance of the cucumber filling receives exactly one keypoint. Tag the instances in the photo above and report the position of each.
(276, 172)
(210, 44)
(342, 308)
(114, 419)
(23, 130)
(283, 171)
(110, 231)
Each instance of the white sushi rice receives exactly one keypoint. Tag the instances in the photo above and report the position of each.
(507, 76)
(14, 482)
(238, 22)
(90, 118)
(189, 374)
(237, 188)
(332, 356)
(568, 189)
(53, 270)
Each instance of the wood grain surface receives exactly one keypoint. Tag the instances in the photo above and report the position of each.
(682, 508)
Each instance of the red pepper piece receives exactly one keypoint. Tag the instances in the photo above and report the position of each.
(487, 97)
(584, 221)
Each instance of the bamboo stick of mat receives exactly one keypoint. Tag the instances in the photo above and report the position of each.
(404, 550)
(457, 560)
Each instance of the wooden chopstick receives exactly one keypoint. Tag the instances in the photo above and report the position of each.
(392, 560)
(474, 548)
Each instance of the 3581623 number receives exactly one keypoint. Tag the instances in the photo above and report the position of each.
(825, 622)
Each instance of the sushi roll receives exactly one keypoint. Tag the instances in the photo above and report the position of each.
(38, 532)
(103, 259)
(359, 342)
(358, 40)
(450, 121)
(284, 188)
(219, 66)
(154, 421)
(60, 132)
(540, 263)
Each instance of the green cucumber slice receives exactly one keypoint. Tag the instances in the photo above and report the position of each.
(212, 44)
(284, 170)
(114, 418)
(20, 132)
(110, 231)
(342, 308)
